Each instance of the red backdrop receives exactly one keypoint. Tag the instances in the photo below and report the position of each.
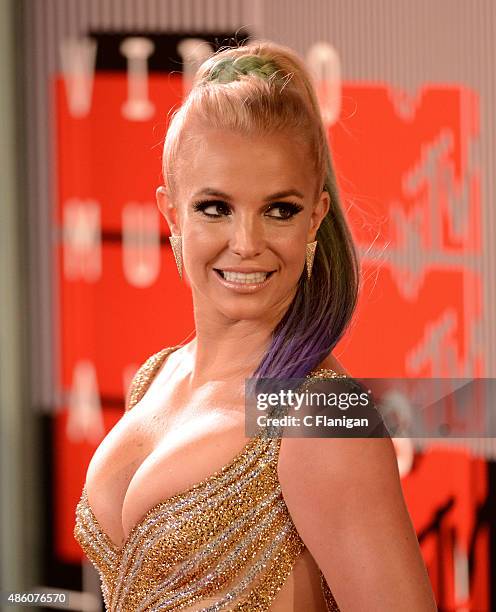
(402, 175)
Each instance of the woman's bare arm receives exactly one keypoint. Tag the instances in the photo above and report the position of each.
(346, 501)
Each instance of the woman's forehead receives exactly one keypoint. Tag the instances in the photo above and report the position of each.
(218, 158)
(202, 137)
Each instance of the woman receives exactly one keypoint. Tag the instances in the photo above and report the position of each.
(256, 226)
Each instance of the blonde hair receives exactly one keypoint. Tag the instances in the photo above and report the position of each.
(264, 88)
(260, 88)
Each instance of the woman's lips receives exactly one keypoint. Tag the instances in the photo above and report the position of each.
(226, 273)
(243, 286)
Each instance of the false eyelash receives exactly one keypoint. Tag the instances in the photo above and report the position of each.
(292, 207)
(200, 206)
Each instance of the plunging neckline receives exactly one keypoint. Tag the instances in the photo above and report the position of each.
(119, 550)
(159, 506)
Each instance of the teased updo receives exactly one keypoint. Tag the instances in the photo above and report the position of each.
(259, 89)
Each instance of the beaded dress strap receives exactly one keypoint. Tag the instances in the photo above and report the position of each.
(145, 374)
(148, 370)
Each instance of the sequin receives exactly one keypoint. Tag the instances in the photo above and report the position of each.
(226, 544)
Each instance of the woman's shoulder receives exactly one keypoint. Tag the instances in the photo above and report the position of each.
(315, 459)
(145, 374)
(313, 470)
(333, 364)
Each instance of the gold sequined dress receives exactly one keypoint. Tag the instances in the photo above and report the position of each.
(227, 543)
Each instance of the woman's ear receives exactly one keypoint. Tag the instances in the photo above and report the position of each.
(168, 209)
(319, 211)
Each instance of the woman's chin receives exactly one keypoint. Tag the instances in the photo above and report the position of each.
(251, 308)
(235, 303)
(243, 313)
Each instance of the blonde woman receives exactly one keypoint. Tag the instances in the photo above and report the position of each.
(180, 511)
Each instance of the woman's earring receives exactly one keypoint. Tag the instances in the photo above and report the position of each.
(177, 249)
(310, 254)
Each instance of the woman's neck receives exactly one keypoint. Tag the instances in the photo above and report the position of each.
(232, 353)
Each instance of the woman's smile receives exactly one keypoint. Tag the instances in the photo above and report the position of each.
(243, 282)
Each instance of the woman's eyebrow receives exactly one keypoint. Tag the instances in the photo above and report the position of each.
(220, 194)
(285, 194)
(212, 192)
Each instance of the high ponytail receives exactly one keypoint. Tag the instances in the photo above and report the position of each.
(264, 88)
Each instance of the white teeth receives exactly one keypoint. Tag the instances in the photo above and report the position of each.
(241, 277)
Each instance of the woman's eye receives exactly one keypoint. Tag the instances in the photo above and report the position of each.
(216, 209)
(287, 210)
(211, 208)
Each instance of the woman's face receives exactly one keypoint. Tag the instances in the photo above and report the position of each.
(244, 208)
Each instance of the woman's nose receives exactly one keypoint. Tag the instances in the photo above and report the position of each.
(247, 239)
